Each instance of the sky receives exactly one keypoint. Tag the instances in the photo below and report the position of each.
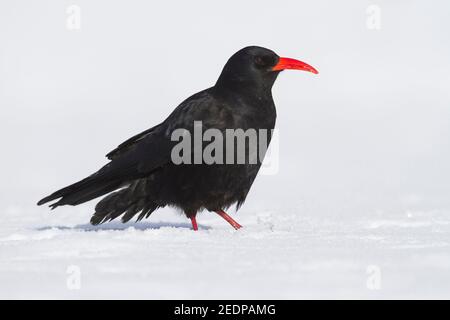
(371, 132)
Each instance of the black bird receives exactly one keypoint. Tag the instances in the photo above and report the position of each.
(142, 176)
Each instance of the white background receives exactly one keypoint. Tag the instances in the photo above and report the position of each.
(364, 176)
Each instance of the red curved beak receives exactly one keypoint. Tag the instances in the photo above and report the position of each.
(288, 63)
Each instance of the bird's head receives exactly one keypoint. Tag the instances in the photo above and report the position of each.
(253, 68)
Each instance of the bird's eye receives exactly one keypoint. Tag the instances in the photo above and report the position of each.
(261, 61)
(265, 61)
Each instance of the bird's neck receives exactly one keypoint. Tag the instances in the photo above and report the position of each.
(254, 89)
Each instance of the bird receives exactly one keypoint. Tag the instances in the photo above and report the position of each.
(141, 175)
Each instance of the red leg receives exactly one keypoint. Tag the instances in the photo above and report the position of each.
(228, 219)
(194, 223)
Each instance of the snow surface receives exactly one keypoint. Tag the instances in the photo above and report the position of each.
(364, 164)
(275, 256)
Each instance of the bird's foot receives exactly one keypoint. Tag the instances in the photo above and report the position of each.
(194, 223)
(228, 219)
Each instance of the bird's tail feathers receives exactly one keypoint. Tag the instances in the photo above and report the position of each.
(125, 201)
(82, 191)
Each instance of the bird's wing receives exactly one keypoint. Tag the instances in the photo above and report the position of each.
(203, 106)
(197, 107)
(152, 148)
(125, 146)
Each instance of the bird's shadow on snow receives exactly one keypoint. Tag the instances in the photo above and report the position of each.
(113, 226)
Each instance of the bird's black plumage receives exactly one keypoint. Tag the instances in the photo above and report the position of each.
(141, 176)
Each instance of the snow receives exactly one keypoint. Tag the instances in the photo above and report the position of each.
(359, 207)
(276, 255)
